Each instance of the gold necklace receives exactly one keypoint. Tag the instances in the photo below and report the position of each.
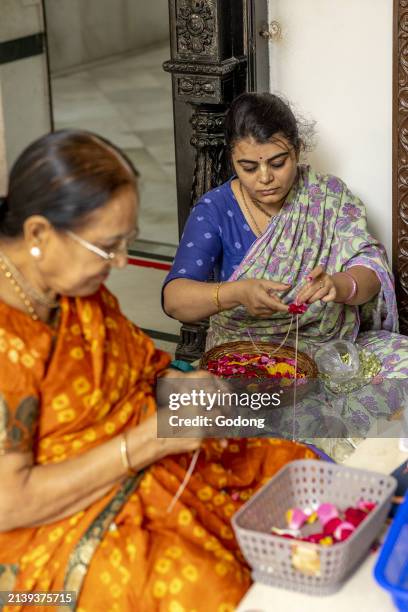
(259, 207)
(20, 292)
(35, 295)
(249, 211)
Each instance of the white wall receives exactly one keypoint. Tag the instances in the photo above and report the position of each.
(334, 62)
(84, 31)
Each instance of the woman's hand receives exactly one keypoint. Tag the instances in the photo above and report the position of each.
(196, 387)
(259, 296)
(320, 286)
(173, 445)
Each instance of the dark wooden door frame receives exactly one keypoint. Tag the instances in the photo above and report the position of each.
(400, 158)
(216, 53)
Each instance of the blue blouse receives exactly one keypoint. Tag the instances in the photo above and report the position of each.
(215, 238)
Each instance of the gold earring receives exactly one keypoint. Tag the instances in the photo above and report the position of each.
(35, 251)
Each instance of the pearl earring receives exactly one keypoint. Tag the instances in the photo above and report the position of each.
(35, 251)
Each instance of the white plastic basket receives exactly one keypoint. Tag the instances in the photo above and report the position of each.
(282, 562)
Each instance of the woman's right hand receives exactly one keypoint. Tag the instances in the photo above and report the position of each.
(155, 448)
(260, 296)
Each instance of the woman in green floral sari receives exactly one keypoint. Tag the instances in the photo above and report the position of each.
(276, 233)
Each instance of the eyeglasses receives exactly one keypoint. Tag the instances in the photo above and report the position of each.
(107, 255)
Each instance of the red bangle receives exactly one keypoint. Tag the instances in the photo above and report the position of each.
(353, 288)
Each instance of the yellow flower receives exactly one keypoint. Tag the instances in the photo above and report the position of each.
(114, 395)
(125, 575)
(81, 385)
(174, 552)
(65, 416)
(37, 552)
(42, 560)
(146, 482)
(211, 544)
(27, 360)
(217, 468)
(110, 427)
(75, 329)
(103, 411)
(175, 606)
(115, 557)
(105, 577)
(199, 532)
(184, 517)
(111, 323)
(219, 499)
(58, 449)
(55, 534)
(17, 343)
(86, 314)
(116, 590)
(226, 607)
(205, 493)
(60, 401)
(90, 435)
(77, 353)
(13, 356)
(162, 566)
(221, 569)
(159, 589)
(229, 509)
(131, 551)
(190, 572)
(175, 586)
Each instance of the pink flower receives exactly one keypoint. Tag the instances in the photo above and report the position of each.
(298, 308)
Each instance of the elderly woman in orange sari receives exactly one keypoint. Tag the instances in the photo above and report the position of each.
(86, 483)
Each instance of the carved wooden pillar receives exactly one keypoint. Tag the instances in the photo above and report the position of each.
(208, 68)
(400, 159)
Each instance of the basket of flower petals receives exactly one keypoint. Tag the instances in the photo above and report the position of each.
(264, 366)
(312, 523)
(244, 359)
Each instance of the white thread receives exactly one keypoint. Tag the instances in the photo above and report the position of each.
(296, 362)
(281, 344)
(187, 477)
(294, 382)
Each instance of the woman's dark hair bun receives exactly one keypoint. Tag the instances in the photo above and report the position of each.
(64, 176)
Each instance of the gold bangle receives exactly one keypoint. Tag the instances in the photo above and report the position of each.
(216, 297)
(125, 455)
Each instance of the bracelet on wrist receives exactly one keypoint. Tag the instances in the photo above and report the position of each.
(354, 287)
(124, 453)
(216, 297)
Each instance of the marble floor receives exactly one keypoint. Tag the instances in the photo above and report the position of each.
(127, 99)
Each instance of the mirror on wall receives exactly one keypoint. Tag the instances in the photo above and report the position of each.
(106, 76)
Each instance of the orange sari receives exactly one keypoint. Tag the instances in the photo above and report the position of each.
(62, 396)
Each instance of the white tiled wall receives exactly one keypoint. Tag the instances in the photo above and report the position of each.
(24, 91)
(81, 31)
(19, 18)
(25, 103)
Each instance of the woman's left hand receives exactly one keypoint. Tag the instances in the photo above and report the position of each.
(320, 286)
